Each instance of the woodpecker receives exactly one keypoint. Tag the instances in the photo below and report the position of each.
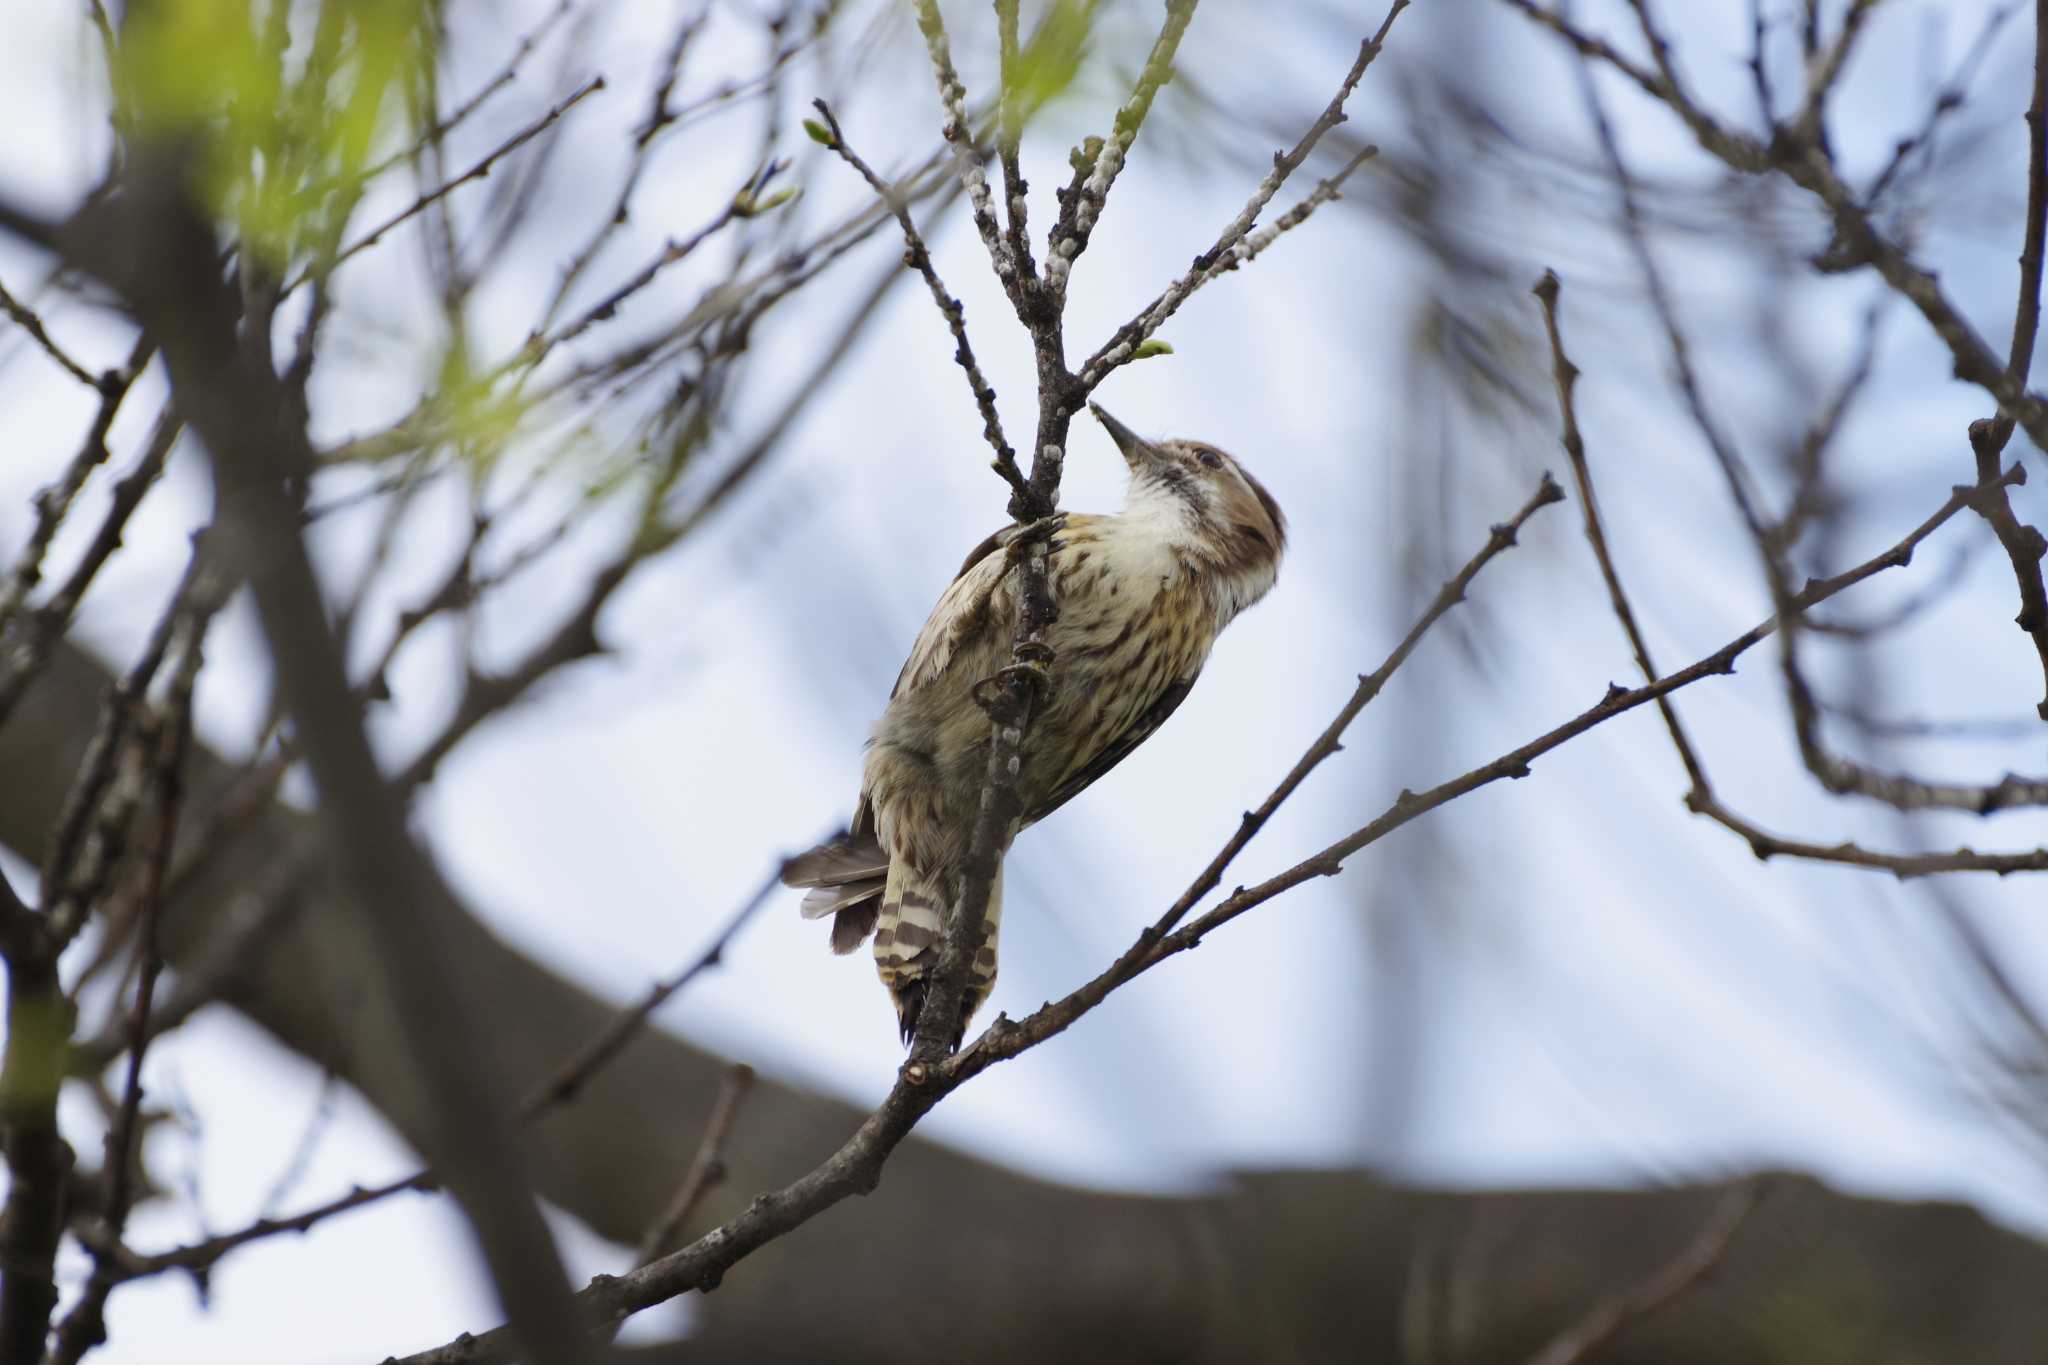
(1141, 598)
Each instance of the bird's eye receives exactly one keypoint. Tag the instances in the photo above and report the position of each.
(1211, 459)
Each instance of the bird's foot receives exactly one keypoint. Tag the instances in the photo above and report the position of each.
(1018, 540)
(1031, 674)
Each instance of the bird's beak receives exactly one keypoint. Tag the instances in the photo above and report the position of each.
(1138, 452)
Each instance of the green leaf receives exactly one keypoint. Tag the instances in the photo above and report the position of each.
(1147, 349)
(820, 134)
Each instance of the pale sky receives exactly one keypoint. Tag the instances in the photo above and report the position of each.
(1598, 986)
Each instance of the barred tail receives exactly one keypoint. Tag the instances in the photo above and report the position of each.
(906, 947)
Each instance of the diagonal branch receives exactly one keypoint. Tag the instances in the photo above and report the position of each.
(1501, 537)
(1081, 209)
(1836, 773)
(2024, 545)
(856, 1167)
(1701, 798)
(157, 249)
(919, 258)
(707, 1168)
(1702, 1252)
(1122, 347)
(25, 318)
(959, 135)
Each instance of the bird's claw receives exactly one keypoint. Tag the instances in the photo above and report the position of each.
(1029, 673)
(1016, 540)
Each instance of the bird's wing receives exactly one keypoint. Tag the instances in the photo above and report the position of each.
(982, 598)
(967, 610)
(1118, 749)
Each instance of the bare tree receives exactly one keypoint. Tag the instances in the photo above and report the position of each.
(174, 869)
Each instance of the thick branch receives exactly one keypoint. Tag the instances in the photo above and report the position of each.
(38, 1159)
(168, 272)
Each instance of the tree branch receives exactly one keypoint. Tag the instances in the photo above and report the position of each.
(1122, 347)
(167, 270)
(959, 134)
(1701, 1254)
(1701, 798)
(39, 1160)
(919, 258)
(2024, 545)
(707, 1168)
(856, 1167)
(1081, 209)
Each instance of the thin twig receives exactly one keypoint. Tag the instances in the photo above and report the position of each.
(1946, 102)
(480, 170)
(707, 1168)
(1009, 136)
(1248, 247)
(1824, 75)
(53, 502)
(1081, 210)
(560, 1088)
(1702, 1252)
(84, 1327)
(1122, 346)
(2024, 545)
(87, 844)
(959, 134)
(1567, 377)
(588, 1060)
(659, 119)
(856, 1167)
(1500, 538)
(24, 317)
(919, 258)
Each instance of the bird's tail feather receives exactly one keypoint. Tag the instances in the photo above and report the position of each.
(906, 948)
(852, 925)
(846, 876)
(837, 862)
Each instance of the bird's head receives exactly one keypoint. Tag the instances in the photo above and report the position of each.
(1229, 516)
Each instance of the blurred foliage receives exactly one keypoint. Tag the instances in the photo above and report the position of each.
(480, 416)
(286, 136)
(1051, 59)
